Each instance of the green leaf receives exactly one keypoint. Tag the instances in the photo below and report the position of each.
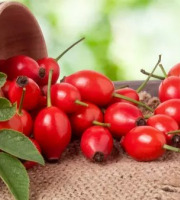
(7, 110)
(3, 78)
(19, 145)
(15, 176)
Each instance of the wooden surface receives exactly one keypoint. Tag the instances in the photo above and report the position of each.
(20, 32)
(152, 86)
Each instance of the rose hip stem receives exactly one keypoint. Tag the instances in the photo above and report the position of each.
(156, 76)
(171, 148)
(174, 132)
(21, 101)
(101, 124)
(163, 70)
(69, 48)
(49, 104)
(153, 75)
(81, 103)
(133, 101)
(141, 87)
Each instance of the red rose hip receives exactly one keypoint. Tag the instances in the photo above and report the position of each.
(96, 143)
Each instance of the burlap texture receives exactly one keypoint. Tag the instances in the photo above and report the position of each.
(120, 178)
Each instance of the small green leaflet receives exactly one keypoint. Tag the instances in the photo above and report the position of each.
(3, 78)
(17, 144)
(7, 110)
(15, 176)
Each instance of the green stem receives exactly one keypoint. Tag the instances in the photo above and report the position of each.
(168, 147)
(100, 123)
(141, 87)
(49, 88)
(153, 75)
(147, 116)
(21, 101)
(163, 70)
(62, 54)
(174, 132)
(81, 103)
(133, 101)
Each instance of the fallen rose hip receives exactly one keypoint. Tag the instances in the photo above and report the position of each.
(165, 124)
(96, 143)
(21, 65)
(169, 88)
(32, 96)
(84, 118)
(66, 97)
(122, 117)
(171, 108)
(13, 123)
(52, 129)
(93, 86)
(144, 143)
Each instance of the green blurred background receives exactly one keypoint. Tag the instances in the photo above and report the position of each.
(122, 36)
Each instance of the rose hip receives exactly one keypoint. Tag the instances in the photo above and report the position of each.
(96, 143)
(165, 124)
(21, 65)
(122, 117)
(32, 96)
(84, 118)
(52, 129)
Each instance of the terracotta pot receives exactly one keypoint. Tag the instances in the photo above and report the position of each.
(20, 32)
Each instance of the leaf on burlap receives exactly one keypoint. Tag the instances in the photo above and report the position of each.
(19, 145)
(15, 176)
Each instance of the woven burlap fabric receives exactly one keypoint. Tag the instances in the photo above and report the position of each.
(120, 178)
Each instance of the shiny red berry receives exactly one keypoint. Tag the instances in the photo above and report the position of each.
(169, 88)
(171, 108)
(27, 122)
(32, 95)
(66, 97)
(52, 131)
(96, 143)
(93, 86)
(21, 65)
(45, 64)
(13, 123)
(165, 124)
(144, 143)
(122, 117)
(84, 117)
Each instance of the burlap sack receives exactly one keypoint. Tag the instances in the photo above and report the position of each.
(120, 178)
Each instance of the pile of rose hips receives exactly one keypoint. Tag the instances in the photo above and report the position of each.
(86, 105)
